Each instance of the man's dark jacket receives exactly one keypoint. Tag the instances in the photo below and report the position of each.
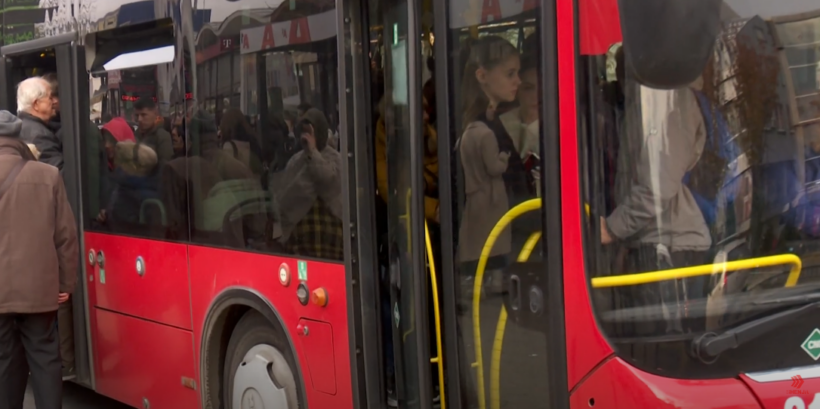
(45, 136)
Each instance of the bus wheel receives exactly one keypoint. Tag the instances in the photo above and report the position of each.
(259, 369)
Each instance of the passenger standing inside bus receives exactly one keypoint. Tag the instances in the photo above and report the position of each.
(151, 133)
(38, 269)
(494, 174)
(238, 138)
(656, 216)
(521, 123)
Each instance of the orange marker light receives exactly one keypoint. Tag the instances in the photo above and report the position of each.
(319, 297)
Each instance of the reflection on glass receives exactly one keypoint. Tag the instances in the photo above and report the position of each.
(141, 58)
(497, 151)
(195, 145)
(709, 172)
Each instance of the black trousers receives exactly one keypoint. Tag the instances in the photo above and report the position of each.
(30, 339)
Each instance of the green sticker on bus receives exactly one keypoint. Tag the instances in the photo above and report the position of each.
(812, 344)
(102, 276)
(302, 270)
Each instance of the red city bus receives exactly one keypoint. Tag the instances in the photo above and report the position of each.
(593, 203)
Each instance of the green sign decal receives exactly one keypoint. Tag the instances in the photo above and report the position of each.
(812, 344)
(302, 270)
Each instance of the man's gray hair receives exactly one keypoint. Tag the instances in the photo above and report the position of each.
(30, 90)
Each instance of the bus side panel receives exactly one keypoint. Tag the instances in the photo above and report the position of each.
(215, 270)
(160, 294)
(139, 362)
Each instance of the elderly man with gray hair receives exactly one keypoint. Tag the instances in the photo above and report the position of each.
(36, 106)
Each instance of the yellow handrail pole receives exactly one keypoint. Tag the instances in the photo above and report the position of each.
(439, 358)
(512, 214)
(495, 362)
(702, 270)
(406, 217)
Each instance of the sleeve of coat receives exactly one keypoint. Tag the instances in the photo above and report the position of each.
(65, 238)
(51, 149)
(665, 158)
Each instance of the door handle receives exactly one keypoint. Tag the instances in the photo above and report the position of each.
(515, 292)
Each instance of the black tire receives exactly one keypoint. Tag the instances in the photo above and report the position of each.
(253, 330)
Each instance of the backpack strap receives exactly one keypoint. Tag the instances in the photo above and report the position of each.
(12, 176)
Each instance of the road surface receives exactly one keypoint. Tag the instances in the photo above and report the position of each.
(77, 397)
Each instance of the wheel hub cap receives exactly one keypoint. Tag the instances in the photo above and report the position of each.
(262, 380)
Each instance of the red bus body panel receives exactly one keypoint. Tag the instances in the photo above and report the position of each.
(586, 347)
(160, 295)
(146, 345)
(138, 359)
(616, 384)
(775, 395)
(216, 270)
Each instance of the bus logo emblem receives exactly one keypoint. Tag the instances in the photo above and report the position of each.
(812, 344)
(797, 381)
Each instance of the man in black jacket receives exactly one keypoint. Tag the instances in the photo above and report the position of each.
(41, 125)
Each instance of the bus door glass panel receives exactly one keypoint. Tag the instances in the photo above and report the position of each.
(407, 326)
(496, 147)
(711, 164)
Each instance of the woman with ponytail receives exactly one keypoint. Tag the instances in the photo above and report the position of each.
(494, 175)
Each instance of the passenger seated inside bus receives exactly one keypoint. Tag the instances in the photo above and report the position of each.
(229, 206)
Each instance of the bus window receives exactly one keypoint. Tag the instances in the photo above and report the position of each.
(126, 192)
(701, 186)
(263, 163)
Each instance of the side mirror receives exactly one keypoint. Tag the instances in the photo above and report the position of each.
(668, 43)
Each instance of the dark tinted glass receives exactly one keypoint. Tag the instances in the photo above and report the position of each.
(703, 197)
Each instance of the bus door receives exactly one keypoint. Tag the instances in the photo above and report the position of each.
(62, 56)
(460, 124)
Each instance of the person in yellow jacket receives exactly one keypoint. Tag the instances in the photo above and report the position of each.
(431, 203)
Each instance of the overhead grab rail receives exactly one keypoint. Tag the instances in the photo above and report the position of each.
(598, 282)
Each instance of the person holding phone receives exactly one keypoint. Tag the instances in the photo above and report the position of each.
(311, 196)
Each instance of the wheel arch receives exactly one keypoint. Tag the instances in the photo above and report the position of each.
(224, 313)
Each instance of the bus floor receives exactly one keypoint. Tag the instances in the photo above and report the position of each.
(77, 397)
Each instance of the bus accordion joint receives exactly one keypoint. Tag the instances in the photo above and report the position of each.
(512, 214)
(703, 270)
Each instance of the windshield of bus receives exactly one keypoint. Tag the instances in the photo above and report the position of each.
(703, 187)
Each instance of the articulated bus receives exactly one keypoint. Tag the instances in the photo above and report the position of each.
(440, 203)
